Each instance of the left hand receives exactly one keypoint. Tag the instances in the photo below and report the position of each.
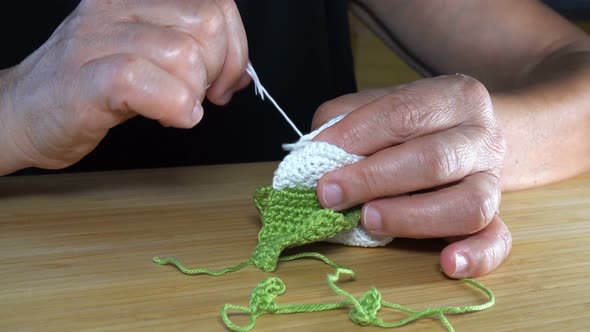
(434, 153)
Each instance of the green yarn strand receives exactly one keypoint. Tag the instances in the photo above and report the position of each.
(313, 255)
(230, 324)
(364, 310)
(185, 270)
(189, 271)
(302, 308)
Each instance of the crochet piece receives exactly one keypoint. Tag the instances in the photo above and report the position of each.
(294, 217)
(289, 217)
(306, 163)
(290, 212)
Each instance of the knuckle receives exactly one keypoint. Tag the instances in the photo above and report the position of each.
(444, 161)
(231, 15)
(495, 253)
(470, 86)
(326, 111)
(505, 239)
(187, 51)
(496, 150)
(467, 86)
(184, 101)
(73, 53)
(403, 117)
(75, 39)
(124, 71)
(325, 107)
(497, 142)
(212, 26)
(370, 176)
(490, 149)
(473, 92)
(482, 208)
(349, 138)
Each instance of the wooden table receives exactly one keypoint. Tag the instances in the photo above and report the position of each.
(75, 254)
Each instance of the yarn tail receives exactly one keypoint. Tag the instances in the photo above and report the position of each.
(313, 255)
(185, 270)
(189, 271)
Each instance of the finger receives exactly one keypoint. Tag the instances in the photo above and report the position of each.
(346, 104)
(236, 57)
(462, 209)
(122, 83)
(422, 163)
(173, 50)
(243, 82)
(478, 254)
(203, 20)
(420, 108)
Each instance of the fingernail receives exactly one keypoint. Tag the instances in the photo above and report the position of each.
(197, 114)
(332, 194)
(460, 265)
(372, 219)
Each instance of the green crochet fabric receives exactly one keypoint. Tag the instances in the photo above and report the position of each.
(290, 218)
(294, 217)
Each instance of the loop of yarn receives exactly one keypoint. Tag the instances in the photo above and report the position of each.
(363, 312)
(259, 90)
(189, 271)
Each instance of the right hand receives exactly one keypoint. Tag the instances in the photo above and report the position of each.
(112, 60)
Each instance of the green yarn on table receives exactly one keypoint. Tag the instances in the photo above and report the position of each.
(294, 217)
(290, 218)
(364, 311)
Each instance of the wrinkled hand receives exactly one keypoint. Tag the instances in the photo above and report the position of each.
(435, 154)
(112, 60)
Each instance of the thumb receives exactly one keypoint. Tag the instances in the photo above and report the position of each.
(479, 253)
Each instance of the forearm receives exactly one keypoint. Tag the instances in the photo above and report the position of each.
(10, 159)
(546, 122)
(535, 64)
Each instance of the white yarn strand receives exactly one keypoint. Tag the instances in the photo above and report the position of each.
(259, 90)
(307, 161)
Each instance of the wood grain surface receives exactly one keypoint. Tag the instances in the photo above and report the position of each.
(76, 249)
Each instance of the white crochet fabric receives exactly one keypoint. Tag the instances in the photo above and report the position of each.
(306, 163)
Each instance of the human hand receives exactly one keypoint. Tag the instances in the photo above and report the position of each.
(434, 158)
(112, 60)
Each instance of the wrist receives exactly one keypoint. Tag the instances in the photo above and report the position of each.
(10, 158)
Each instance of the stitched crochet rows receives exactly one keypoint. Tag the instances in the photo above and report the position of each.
(306, 163)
